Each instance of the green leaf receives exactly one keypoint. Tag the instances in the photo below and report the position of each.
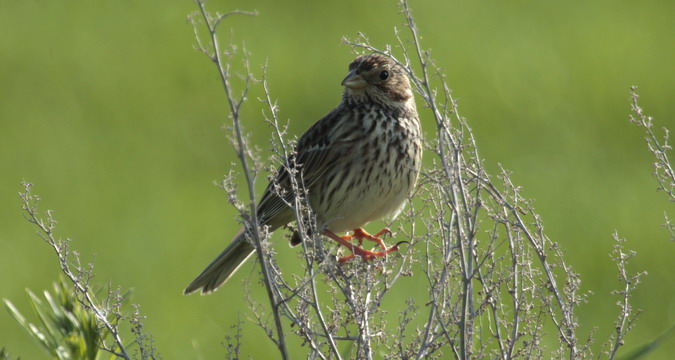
(67, 330)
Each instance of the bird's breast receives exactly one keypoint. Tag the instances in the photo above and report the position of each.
(376, 172)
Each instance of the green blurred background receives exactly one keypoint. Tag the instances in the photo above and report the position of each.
(108, 110)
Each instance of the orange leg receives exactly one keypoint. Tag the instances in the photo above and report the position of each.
(361, 234)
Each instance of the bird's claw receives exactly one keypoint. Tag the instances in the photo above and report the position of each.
(360, 234)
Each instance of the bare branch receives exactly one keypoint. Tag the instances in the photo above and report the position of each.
(108, 313)
(222, 60)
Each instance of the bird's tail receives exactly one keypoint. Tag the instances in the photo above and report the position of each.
(223, 266)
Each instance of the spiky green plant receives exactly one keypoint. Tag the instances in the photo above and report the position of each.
(67, 329)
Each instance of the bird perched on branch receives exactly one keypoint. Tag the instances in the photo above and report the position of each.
(359, 164)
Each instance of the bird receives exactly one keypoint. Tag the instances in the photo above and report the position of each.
(358, 164)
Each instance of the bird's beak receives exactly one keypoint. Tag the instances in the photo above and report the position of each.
(354, 81)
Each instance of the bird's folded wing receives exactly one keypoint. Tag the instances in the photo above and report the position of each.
(316, 153)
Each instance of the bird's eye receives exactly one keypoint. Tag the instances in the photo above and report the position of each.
(384, 75)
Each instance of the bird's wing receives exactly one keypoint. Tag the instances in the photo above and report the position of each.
(315, 154)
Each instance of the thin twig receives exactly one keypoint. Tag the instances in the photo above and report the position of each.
(242, 151)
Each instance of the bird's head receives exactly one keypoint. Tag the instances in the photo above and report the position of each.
(378, 78)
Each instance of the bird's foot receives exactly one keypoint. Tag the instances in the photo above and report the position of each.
(360, 234)
(366, 254)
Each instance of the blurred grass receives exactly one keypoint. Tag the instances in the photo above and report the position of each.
(106, 107)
